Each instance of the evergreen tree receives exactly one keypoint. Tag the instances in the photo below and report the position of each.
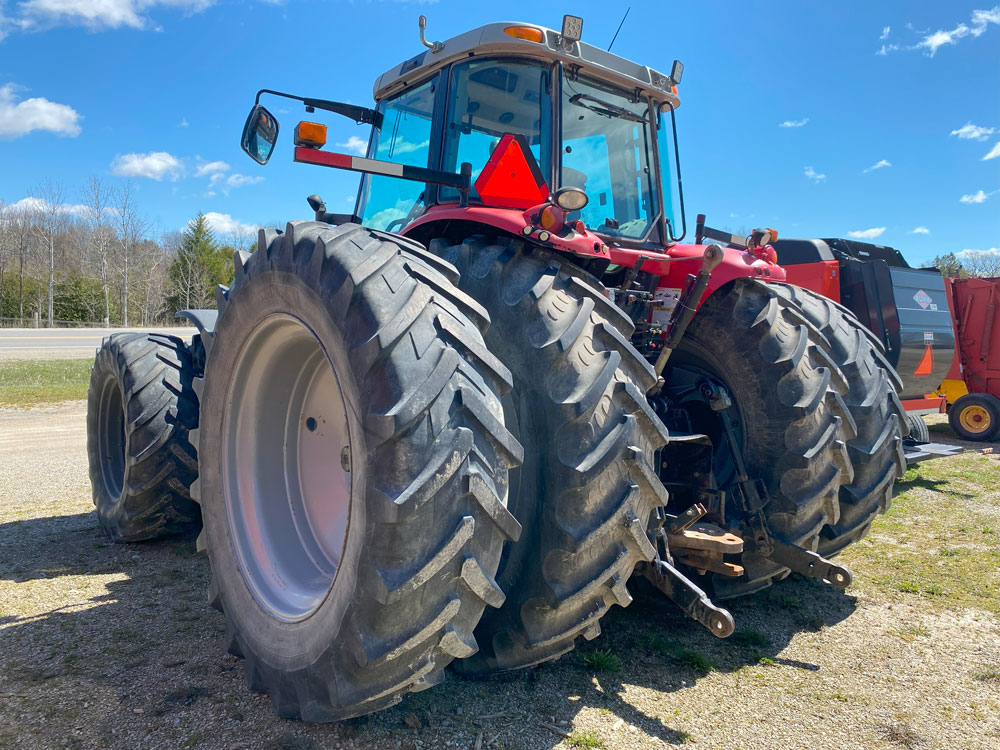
(200, 265)
(949, 266)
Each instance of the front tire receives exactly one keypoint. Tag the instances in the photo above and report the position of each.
(353, 469)
(790, 418)
(876, 449)
(141, 407)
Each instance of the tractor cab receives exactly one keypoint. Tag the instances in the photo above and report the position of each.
(544, 121)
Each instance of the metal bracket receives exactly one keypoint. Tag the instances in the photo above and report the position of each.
(689, 597)
(809, 564)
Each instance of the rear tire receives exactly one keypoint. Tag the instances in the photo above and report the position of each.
(876, 450)
(792, 420)
(354, 469)
(589, 485)
(975, 416)
(140, 409)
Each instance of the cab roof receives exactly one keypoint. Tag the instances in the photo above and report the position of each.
(490, 40)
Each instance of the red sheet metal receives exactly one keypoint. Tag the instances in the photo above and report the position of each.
(975, 305)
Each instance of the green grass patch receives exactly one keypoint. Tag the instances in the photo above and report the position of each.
(585, 739)
(989, 673)
(935, 542)
(601, 660)
(695, 660)
(25, 383)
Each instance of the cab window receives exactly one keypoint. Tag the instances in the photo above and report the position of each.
(486, 100)
(389, 203)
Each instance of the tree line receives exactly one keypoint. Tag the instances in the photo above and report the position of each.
(984, 264)
(99, 260)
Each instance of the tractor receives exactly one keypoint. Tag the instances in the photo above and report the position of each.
(449, 427)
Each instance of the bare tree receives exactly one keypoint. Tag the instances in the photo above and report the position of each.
(981, 263)
(50, 220)
(97, 197)
(6, 246)
(130, 228)
(19, 229)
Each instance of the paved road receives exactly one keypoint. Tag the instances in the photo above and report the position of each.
(59, 343)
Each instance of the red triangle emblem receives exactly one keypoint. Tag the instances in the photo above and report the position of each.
(512, 178)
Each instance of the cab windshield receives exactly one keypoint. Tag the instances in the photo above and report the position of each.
(607, 151)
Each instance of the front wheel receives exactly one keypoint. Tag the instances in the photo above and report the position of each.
(788, 416)
(354, 468)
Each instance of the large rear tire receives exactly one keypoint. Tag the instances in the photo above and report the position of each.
(789, 418)
(876, 451)
(354, 469)
(140, 409)
(588, 485)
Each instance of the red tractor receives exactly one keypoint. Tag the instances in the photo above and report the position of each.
(452, 425)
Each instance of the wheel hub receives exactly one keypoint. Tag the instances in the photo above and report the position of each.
(975, 419)
(286, 483)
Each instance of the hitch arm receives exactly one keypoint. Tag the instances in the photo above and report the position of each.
(689, 597)
(809, 564)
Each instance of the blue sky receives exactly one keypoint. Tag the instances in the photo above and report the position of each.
(820, 119)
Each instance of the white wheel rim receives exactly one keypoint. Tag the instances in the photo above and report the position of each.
(285, 468)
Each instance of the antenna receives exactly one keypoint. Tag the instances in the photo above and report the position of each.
(619, 28)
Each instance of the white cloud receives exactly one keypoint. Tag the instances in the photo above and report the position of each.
(211, 168)
(355, 145)
(99, 14)
(993, 152)
(239, 180)
(885, 49)
(885, 32)
(933, 42)
(793, 123)
(37, 205)
(977, 197)
(867, 234)
(980, 20)
(920, 230)
(970, 132)
(155, 166)
(183, 123)
(880, 164)
(226, 224)
(20, 118)
(812, 174)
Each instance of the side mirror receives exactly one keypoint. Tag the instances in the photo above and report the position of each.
(260, 133)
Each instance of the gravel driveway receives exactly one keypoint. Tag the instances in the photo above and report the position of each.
(115, 646)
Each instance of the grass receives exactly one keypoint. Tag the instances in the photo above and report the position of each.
(936, 542)
(695, 660)
(26, 383)
(989, 673)
(602, 660)
(585, 739)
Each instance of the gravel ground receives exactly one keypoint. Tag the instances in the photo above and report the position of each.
(115, 646)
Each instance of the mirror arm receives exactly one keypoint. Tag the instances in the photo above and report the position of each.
(361, 115)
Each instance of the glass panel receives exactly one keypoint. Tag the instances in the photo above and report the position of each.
(489, 98)
(606, 151)
(668, 175)
(391, 203)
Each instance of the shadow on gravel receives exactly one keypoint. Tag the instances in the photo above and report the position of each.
(115, 646)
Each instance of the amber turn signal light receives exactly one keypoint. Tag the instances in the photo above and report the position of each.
(527, 33)
(310, 134)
